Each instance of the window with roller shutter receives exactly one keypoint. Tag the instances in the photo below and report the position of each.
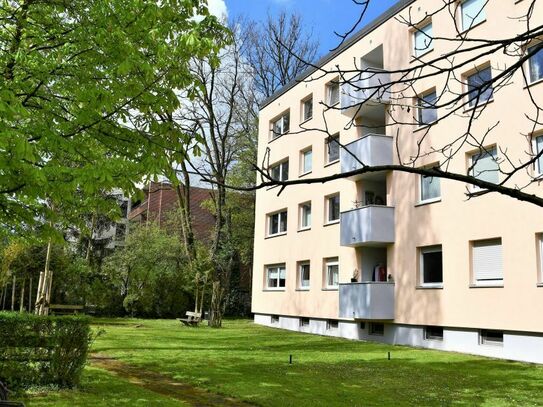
(487, 262)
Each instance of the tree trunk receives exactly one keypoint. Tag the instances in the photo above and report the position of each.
(30, 295)
(217, 308)
(89, 245)
(22, 304)
(13, 293)
(42, 298)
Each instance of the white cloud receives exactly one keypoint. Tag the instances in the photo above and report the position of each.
(218, 8)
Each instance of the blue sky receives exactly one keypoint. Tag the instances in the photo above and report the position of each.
(322, 16)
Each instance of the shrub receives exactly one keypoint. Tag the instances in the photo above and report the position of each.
(38, 350)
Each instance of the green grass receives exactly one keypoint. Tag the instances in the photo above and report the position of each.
(251, 363)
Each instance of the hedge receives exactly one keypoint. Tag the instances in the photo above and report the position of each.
(36, 350)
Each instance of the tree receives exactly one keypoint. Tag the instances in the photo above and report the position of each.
(278, 51)
(407, 107)
(82, 83)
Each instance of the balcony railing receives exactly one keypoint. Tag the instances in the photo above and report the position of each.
(371, 150)
(366, 301)
(371, 225)
(372, 85)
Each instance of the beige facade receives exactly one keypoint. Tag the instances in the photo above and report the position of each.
(450, 221)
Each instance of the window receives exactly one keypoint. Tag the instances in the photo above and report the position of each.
(304, 275)
(332, 92)
(362, 326)
(279, 172)
(307, 161)
(431, 266)
(535, 63)
(304, 322)
(274, 319)
(430, 188)
(332, 273)
(276, 276)
(423, 42)
(307, 109)
(480, 86)
(488, 337)
(332, 325)
(280, 125)
(486, 262)
(377, 328)
(484, 166)
(332, 149)
(538, 149)
(540, 253)
(433, 333)
(472, 12)
(427, 113)
(305, 216)
(333, 209)
(277, 223)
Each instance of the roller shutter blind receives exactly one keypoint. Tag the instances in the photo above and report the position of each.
(487, 261)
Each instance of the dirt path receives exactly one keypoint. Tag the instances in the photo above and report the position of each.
(162, 384)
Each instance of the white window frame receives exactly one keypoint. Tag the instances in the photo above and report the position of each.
(281, 167)
(303, 153)
(421, 108)
(428, 39)
(421, 190)
(538, 165)
(305, 101)
(484, 341)
(481, 16)
(280, 214)
(425, 250)
(301, 211)
(279, 267)
(329, 87)
(301, 266)
(335, 138)
(328, 264)
(539, 238)
(486, 150)
(529, 65)
(330, 323)
(329, 198)
(489, 282)
(473, 104)
(428, 337)
(305, 322)
(281, 120)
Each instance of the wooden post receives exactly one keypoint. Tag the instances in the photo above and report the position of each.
(48, 295)
(38, 294)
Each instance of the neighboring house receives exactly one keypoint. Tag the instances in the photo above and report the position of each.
(161, 199)
(396, 257)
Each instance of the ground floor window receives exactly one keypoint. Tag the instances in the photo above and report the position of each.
(304, 322)
(331, 324)
(488, 337)
(275, 319)
(434, 333)
(276, 276)
(377, 329)
(332, 272)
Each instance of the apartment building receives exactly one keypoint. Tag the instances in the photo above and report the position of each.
(396, 257)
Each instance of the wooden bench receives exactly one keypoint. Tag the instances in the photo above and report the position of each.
(192, 319)
(4, 398)
(59, 309)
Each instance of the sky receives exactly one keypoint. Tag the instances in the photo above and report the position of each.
(321, 17)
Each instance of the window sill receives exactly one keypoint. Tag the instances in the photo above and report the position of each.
(467, 30)
(335, 222)
(305, 174)
(416, 58)
(272, 139)
(334, 105)
(427, 202)
(426, 126)
(303, 289)
(331, 163)
(486, 286)
(304, 229)
(429, 287)
(274, 290)
(330, 289)
(277, 235)
(540, 285)
(537, 82)
(482, 104)
(304, 121)
(477, 192)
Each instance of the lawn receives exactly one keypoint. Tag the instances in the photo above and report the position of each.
(251, 363)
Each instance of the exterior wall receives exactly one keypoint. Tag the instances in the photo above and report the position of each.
(516, 345)
(453, 221)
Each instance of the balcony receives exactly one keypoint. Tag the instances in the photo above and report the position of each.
(366, 301)
(370, 88)
(371, 150)
(371, 225)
